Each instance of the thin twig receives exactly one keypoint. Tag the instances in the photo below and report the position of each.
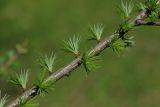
(21, 49)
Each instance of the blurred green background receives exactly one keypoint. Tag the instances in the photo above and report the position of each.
(132, 80)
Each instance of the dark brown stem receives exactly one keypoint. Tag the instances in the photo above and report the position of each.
(64, 71)
(142, 22)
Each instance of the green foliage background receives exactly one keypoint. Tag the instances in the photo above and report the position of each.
(131, 80)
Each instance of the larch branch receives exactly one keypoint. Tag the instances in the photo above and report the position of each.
(66, 70)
